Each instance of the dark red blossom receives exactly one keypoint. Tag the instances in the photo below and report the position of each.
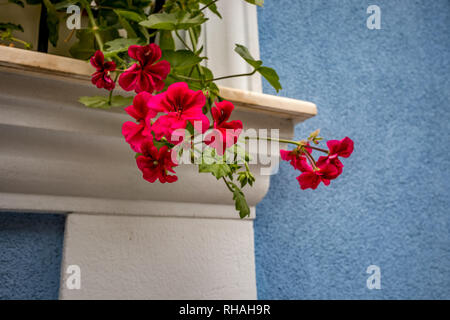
(312, 177)
(136, 133)
(101, 77)
(295, 157)
(178, 105)
(326, 168)
(155, 164)
(226, 133)
(342, 148)
(147, 75)
(324, 160)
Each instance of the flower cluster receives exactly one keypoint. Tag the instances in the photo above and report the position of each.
(147, 75)
(168, 115)
(101, 77)
(325, 169)
(163, 118)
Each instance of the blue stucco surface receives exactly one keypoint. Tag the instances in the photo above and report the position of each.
(389, 90)
(30, 255)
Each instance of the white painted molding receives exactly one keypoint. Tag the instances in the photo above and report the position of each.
(52, 147)
(57, 67)
(239, 24)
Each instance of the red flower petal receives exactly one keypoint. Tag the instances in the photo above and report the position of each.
(128, 79)
(342, 148)
(308, 180)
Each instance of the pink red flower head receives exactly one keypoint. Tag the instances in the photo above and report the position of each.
(226, 133)
(326, 168)
(101, 77)
(156, 164)
(177, 106)
(136, 132)
(148, 74)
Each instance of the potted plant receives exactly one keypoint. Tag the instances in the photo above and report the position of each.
(177, 112)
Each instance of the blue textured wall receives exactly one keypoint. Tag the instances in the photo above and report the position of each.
(389, 90)
(30, 255)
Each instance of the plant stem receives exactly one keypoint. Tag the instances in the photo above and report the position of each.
(311, 160)
(234, 76)
(228, 186)
(110, 97)
(194, 49)
(24, 43)
(216, 79)
(119, 59)
(111, 92)
(318, 149)
(93, 24)
(279, 140)
(206, 6)
(182, 41)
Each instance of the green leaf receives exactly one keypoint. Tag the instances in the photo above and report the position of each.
(181, 59)
(271, 76)
(129, 15)
(18, 2)
(218, 170)
(245, 54)
(127, 26)
(94, 102)
(256, 2)
(84, 48)
(100, 102)
(119, 45)
(172, 21)
(65, 4)
(240, 201)
(212, 6)
(213, 164)
(166, 40)
(11, 27)
(121, 101)
(187, 21)
(161, 21)
(125, 16)
(268, 73)
(213, 89)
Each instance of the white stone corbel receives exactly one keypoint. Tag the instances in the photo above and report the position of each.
(130, 238)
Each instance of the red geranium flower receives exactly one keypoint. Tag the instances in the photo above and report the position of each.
(296, 156)
(148, 75)
(136, 133)
(342, 148)
(292, 156)
(311, 178)
(323, 161)
(101, 77)
(155, 164)
(226, 133)
(179, 106)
